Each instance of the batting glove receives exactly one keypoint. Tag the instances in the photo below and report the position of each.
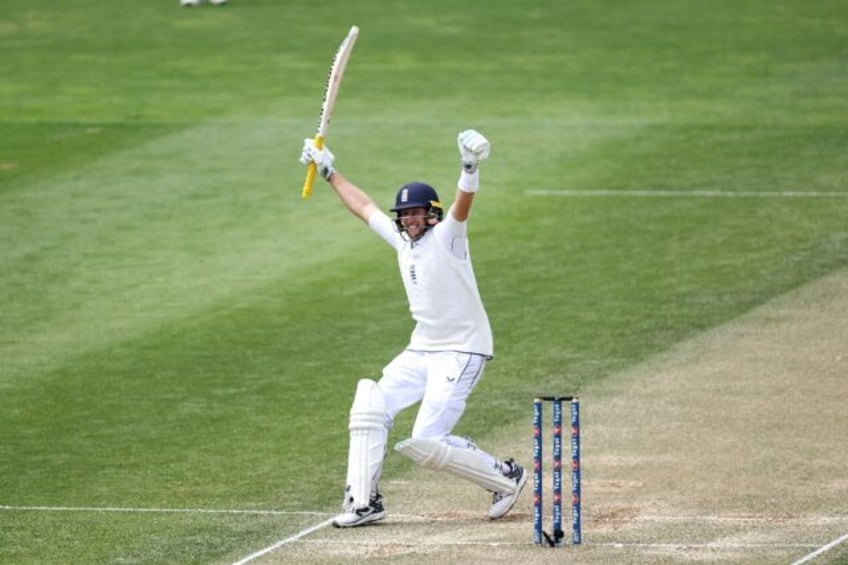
(473, 148)
(322, 158)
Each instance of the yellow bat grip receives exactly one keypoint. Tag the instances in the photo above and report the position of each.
(311, 170)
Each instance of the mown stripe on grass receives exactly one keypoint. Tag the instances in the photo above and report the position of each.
(691, 193)
(149, 235)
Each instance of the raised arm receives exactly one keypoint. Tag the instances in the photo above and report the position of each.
(461, 208)
(359, 203)
(473, 148)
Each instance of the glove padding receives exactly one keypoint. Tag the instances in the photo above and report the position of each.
(473, 148)
(323, 158)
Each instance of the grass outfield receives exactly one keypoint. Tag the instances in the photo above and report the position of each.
(181, 331)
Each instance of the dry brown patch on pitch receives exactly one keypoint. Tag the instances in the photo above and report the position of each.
(729, 448)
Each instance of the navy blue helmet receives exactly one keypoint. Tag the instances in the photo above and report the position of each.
(418, 195)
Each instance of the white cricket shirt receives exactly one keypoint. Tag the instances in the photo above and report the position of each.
(440, 286)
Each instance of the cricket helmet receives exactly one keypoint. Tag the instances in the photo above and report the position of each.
(418, 195)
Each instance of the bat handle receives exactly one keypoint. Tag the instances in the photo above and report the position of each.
(311, 170)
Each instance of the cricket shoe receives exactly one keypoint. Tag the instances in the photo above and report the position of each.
(502, 502)
(353, 517)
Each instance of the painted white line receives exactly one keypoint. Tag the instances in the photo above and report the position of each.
(158, 510)
(804, 520)
(612, 544)
(712, 546)
(251, 557)
(283, 542)
(418, 518)
(708, 518)
(821, 550)
(454, 517)
(707, 545)
(690, 193)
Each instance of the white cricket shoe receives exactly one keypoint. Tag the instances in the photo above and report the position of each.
(502, 502)
(189, 2)
(353, 517)
(217, 2)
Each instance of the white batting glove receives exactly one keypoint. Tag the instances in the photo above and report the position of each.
(323, 158)
(473, 148)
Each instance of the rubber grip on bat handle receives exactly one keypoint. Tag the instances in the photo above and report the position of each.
(311, 170)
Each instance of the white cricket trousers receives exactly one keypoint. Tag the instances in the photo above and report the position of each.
(441, 381)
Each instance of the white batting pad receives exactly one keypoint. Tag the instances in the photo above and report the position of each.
(367, 441)
(467, 463)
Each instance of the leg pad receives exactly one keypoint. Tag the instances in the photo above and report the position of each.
(467, 463)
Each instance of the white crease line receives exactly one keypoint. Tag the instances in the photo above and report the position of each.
(767, 520)
(707, 545)
(283, 542)
(96, 509)
(456, 517)
(408, 517)
(667, 545)
(691, 193)
(158, 510)
(821, 550)
(806, 520)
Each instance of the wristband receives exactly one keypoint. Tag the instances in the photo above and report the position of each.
(468, 182)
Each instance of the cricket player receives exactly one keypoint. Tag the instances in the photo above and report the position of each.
(448, 350)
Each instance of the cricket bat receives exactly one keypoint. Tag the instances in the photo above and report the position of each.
(334, 80)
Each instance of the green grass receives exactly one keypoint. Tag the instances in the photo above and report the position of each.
(180, 330)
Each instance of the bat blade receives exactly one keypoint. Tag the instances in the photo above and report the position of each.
(331, 91)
